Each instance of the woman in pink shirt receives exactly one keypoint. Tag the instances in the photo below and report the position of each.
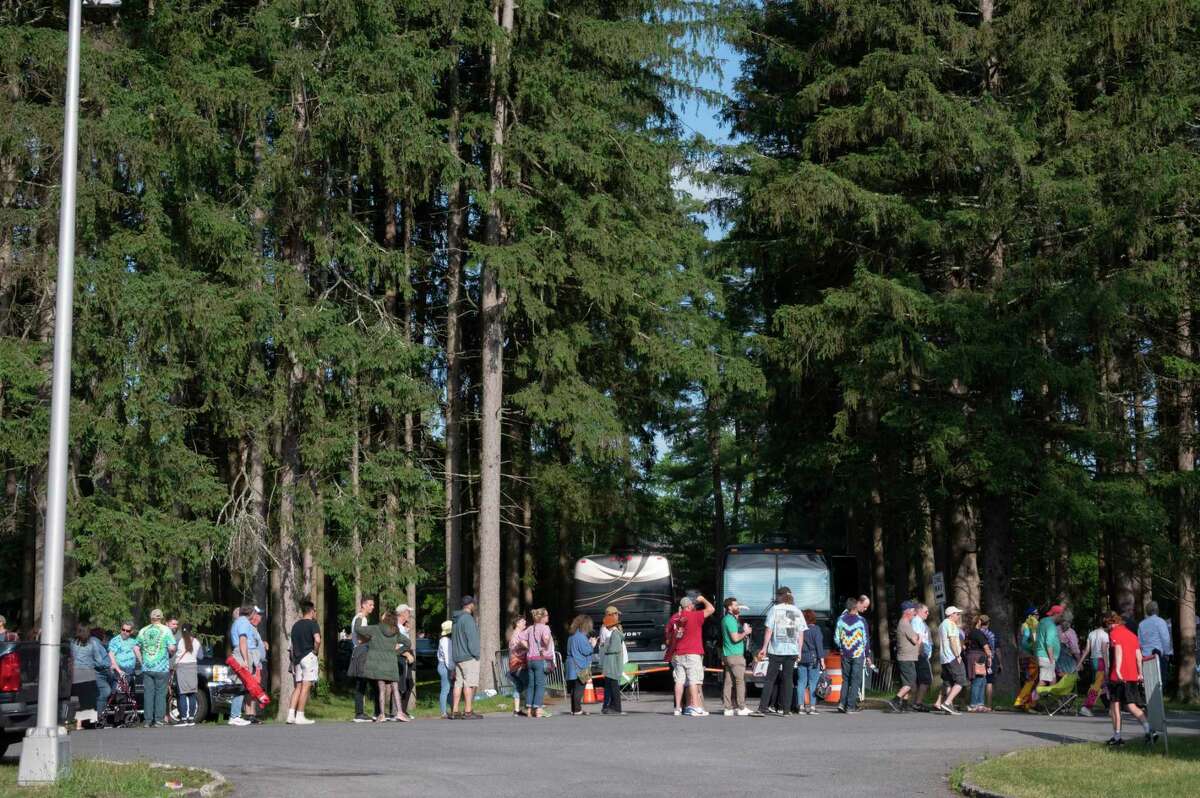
(539, 648)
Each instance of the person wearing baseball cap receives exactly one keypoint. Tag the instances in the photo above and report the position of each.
(1049, 645)
(908, 647)
(954, 675)
(464, 646)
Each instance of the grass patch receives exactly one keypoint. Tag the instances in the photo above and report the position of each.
(92, 779)
(338, 704)
(1091, 769)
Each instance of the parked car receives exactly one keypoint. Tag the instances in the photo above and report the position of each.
(426, 655)
(19, 663)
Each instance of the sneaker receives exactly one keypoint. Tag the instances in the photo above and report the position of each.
(950, 710)
(892, 705)
(303, 721)
(743, 712)
(755, 714)
(700, 712)
(687, 712)
(729, 713)
(1152, 737)
(777, 713)
(810, 710)
(1085, 712)
(238, 722)
(476, 716)
(677, 711)
(920, 708)
(362, 719)
(254, 720)
(1115, 742)
(841, 709)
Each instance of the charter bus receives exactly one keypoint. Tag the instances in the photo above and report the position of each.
(752, 573)
(639, 583)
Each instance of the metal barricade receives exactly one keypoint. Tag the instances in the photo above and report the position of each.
(556, 679)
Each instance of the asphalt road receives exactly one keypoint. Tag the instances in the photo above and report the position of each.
(647, 752)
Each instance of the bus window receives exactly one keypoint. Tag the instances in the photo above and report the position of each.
(751, 579)
(808, 577)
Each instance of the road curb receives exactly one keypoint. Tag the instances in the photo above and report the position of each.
(216, 782)
(969, 789)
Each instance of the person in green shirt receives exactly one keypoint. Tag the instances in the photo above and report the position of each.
(1048, 644)
(733, 655)
(612, 661)
(157, 643)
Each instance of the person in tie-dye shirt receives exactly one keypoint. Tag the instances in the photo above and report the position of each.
(851, 637)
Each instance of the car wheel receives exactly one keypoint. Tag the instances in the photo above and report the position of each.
(201, 706)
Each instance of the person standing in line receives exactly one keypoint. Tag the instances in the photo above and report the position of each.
(920, 624)
(686, 646)
(850, 636)
(908, 649)
(978, 663)
(247, 650)
(781, 646)
(954, 675)
(518, 665)
(382, 667)
(994, 666)
(539, 646)
(90, 654)
(157, 645)
(612, 661)
(173, 625)
(1048, 646)
(1068, 639)
(1154, 637)
(1096, 649)
(1027, 660)
(812, 663)
(406, 658)
(733, 660)
(1125, 685)
(579, 660)
(306, 642)
(362, 685)
(445, 667)
(187, 656)
(464, 640)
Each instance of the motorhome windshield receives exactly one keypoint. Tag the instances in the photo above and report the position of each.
(638, 584)
(753, 578)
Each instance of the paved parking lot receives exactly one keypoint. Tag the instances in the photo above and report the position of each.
(647, 752)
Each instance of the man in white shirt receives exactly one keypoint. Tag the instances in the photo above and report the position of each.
(954, 675)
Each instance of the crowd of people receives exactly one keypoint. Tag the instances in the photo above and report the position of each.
(790, 661)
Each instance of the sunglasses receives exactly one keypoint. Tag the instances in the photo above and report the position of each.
(126, 630)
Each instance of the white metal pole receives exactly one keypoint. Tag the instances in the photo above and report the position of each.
(45, 753)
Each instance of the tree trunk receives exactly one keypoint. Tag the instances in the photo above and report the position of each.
(963, 549)
(713, 423)
(1186, 538)
(883, 633)
(998, 547)
(284, 576)
(492, 333)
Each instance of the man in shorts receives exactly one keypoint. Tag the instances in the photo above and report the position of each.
(908, 647)
(1125, 686)
(685, 631)
(464, 647)
(924, 669)
(954, 675)
(248, 649)
(306, 641)
(1049, 645)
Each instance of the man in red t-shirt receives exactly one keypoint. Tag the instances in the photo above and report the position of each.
(1125, 686)
(685, 646)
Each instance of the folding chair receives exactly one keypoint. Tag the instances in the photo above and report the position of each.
(1059, 696)
(629, 681)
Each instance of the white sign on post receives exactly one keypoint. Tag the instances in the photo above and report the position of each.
(939, 590)
(1156, 712)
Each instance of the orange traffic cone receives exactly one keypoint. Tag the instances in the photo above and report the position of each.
(589, 693)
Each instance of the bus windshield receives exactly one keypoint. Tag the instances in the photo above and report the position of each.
(753, 577)
(637, 584)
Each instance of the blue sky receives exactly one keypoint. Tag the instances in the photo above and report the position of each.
(700, 117)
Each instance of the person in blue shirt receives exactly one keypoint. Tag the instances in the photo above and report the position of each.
(248, 649)
(124, 652)
(1154, 635)
(920, 625)
(580, 645)
(90, 655)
